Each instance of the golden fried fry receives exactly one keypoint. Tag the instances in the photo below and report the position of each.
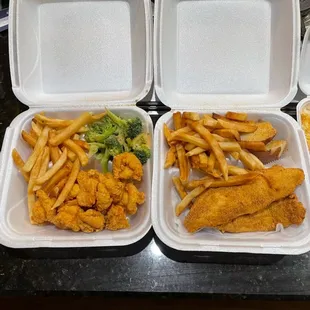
(183, 163)
(234, 170)
(44, 165)
(189, 146)
(170, 157)
(77, 150)
(67, 188)
(19, 164)
(191, 116)
(177, 120)
(216, 149)
(211, 162)
(167, 134)
(179, 187)
(34, 173)
(196, 151)
(253, 145)
(37, 129)
(83, 144)
(57, 189)
(67, 132)
(203, 158)
(208, 121)
(190, 196)
(29, 138)
(195, 183)
(58, 165)
(185, 129)
(37, 150)
(236, 116)
(54, 153)
(228, 133)
(241, 127)
(250, 162)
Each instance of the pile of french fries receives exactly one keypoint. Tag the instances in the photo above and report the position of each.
(210, 143)
(57, 154)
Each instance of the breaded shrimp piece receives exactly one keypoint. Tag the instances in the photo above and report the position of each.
(103, 198)
(88, 186)
(116, 218)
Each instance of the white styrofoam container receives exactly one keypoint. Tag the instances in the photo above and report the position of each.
(304, 75)
(214, 56)
(66, 57)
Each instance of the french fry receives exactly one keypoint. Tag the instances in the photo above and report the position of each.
(33, 134)
(77, 150)
(193, 140)
(67, 188)
(179, 187)
(247, 160)
(235, 155)
(75, 137)
(61, 174)
(170, 157)
(195, 161)
(218, 116)
(230, 146)
(189, 146)
(52, 122)
(216, 149)
(176, 164)
(29, 138)
(177, 120)
(57, 189)
(191, 116)
(190, 196)
(19, 164)
(37, 129)
(167, 134)
(203, 158)
(218, 138)
(196, 151)
(58, 165)
(34, 173)
(31, 199)
(227, 133)
(236, 116)
(185, 129)
(67, 132)
(44, 165)
(253, 145)
(72, 202)
(265, 133)
(234, 180)
(211, 162)
(37, 150)
(234, 170)
(183, 163)
(83, 144)
(99, 116)
(259, 164)
(195, 183)
(240, 127)
(54, 153)
(208, 121)
(71, 155)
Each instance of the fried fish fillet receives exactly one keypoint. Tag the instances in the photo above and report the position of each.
(287, 211)
(218, 206)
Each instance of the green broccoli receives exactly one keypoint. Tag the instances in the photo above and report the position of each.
(100, 130)
(140, 147)
(104, 158)
(143, 153)
(113, 146)
(94, 148)
(131, 127)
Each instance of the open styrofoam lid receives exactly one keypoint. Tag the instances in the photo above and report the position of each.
(304, 75)
(74, 51)
(236, 54)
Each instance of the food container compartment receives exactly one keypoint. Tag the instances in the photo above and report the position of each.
(67, 57)
(15, 228)
(219, 56)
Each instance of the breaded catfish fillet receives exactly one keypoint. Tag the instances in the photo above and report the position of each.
(287, 211)
(218, 206)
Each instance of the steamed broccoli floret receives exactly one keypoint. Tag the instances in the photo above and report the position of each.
(104, 160)
(101, 130)
(113, 145)
(141, 139)
(131, 127)
(143, 153)
(94, 148)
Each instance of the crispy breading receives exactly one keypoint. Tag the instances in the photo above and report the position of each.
(115, 187)
(135, 198)
(218, 206)
(287, 211)
(116, 218)
(103, 198)
(127, 166)
(88, 186)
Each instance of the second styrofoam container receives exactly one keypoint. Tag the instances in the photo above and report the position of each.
(67, 57)
(214, 56)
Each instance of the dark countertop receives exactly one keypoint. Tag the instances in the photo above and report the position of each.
(96, 271)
